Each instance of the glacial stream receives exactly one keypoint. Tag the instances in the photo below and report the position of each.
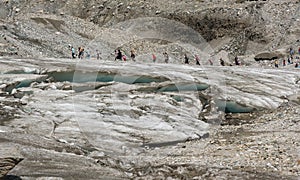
(105, 77)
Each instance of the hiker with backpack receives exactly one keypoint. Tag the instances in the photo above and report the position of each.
(186, 59)
(80, 52)
(73, 52)
(153, 58)
(124, 57)
(98, 55)
(118, 55)
(166, 55)
(132, 55)
(236, 61)
(276, 63)
(197, 59)
(222, 62)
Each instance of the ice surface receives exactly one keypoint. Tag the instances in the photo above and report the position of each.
(119, 116)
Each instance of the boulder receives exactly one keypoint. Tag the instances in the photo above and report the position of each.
(6, 164)
(268, 55)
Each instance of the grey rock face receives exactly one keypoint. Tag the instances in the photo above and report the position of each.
(240, 28)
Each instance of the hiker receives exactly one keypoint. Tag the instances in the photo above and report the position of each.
(210, 62)
(186, 59)
(289, 60)
(132, 55)
(98, 55)
(166, 57)
(284, 62)
(296, 65)
(124, 57)
(118, 55)
(222, 62)
(197, 59)
(292, 52)
(236, 61)
(276, 63)
(80, 53)
(73, 52)
(299, 51)
(153, 58)
(79, 48)
(88, 55)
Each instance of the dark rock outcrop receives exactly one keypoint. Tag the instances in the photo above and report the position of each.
(6, 164)
(268, 56)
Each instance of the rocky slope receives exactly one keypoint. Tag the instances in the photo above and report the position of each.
(44, 28)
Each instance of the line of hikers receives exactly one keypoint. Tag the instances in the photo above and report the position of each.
(290, 60)
(80, 54)
(119, 55)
